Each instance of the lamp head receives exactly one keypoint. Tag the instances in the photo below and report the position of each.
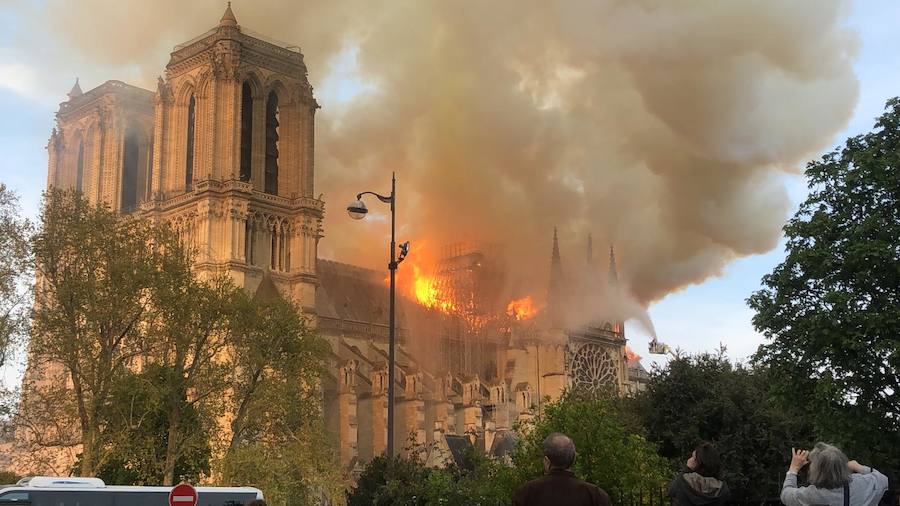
(357, 210)
(404, 250)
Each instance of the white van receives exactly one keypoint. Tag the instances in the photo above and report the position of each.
(54, 491)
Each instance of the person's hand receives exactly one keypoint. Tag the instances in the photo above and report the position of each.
(799, 458)
(855, 467)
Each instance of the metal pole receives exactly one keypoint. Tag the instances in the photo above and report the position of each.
(391, 337)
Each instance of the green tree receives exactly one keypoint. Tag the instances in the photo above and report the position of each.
(408, 482)
(278, 360)
(190, 336)
(278, 440)
(138, 360)
(707, 398)
(392, 481)
(94, 278)
(8, 477)
(831, 310)
(138, 427)
(15, 272)
(610, 454)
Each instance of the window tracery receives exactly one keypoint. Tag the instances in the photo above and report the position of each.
(592, 367)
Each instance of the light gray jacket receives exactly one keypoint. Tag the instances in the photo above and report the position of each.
(866, 489)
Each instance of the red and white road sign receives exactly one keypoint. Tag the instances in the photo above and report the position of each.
(183, 495)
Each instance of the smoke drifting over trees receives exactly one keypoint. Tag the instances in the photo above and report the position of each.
(660, 126)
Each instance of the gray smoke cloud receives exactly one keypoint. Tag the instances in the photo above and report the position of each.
(660, 126)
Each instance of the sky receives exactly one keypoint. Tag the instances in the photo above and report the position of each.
(701, 317)
(696, 318)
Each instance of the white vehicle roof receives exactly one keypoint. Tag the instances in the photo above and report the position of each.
(82, 484)
(56, 482)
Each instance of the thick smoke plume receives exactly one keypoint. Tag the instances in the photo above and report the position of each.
(659, 126)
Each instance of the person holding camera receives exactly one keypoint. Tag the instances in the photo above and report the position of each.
(833, 480)
(701, 483)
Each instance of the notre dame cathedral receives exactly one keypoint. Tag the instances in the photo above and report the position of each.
(223, 150)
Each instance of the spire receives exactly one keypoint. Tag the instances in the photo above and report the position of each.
(555, 259)
(613, 277)
(555, 292)
(590, 250)
(228, 18)
(76, 90)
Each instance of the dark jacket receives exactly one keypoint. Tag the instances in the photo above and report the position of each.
(560, 487)
(692, 489)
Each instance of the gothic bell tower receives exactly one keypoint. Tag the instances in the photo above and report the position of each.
(233, 159)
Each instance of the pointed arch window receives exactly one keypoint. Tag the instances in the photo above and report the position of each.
(79, 168)
(271, 173)
(130, 171)
(246, 132)
(189, 155)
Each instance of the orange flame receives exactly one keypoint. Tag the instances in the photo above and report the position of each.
(522, 309)
(424, 285)
(630, 354)
(426, 291)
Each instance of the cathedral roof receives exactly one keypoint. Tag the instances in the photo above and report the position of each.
(635, 364)
(504, 443)
(349, 292)
(129, 96)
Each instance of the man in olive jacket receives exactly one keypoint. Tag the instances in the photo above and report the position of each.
(559, 486)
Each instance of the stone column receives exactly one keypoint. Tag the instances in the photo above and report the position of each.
(288, 146)
(229, 123)
(203, 229)
(112, 161)
(500, 402)
(309, 113)
(472, 421)
(524, 404)
(379, 411)
(53, 157)
(162, 105)
(347, 419)
(413, 413)
(472, 412)
(444, 413)
(445, 416)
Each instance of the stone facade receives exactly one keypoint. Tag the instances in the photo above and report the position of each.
(223, 150)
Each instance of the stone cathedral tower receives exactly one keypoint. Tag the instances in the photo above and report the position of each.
(223, 151)
(234, 150)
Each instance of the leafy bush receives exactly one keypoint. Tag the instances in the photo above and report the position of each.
(707, 398)
(609, 454)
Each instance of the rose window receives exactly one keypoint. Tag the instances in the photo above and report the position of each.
(593, 368)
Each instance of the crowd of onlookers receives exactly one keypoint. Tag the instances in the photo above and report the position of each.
(833, 479)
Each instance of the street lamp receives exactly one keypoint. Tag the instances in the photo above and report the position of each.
(358, 210)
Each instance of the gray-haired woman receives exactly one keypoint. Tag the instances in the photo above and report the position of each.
(833, 480)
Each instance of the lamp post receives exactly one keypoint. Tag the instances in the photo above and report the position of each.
(358, 210)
